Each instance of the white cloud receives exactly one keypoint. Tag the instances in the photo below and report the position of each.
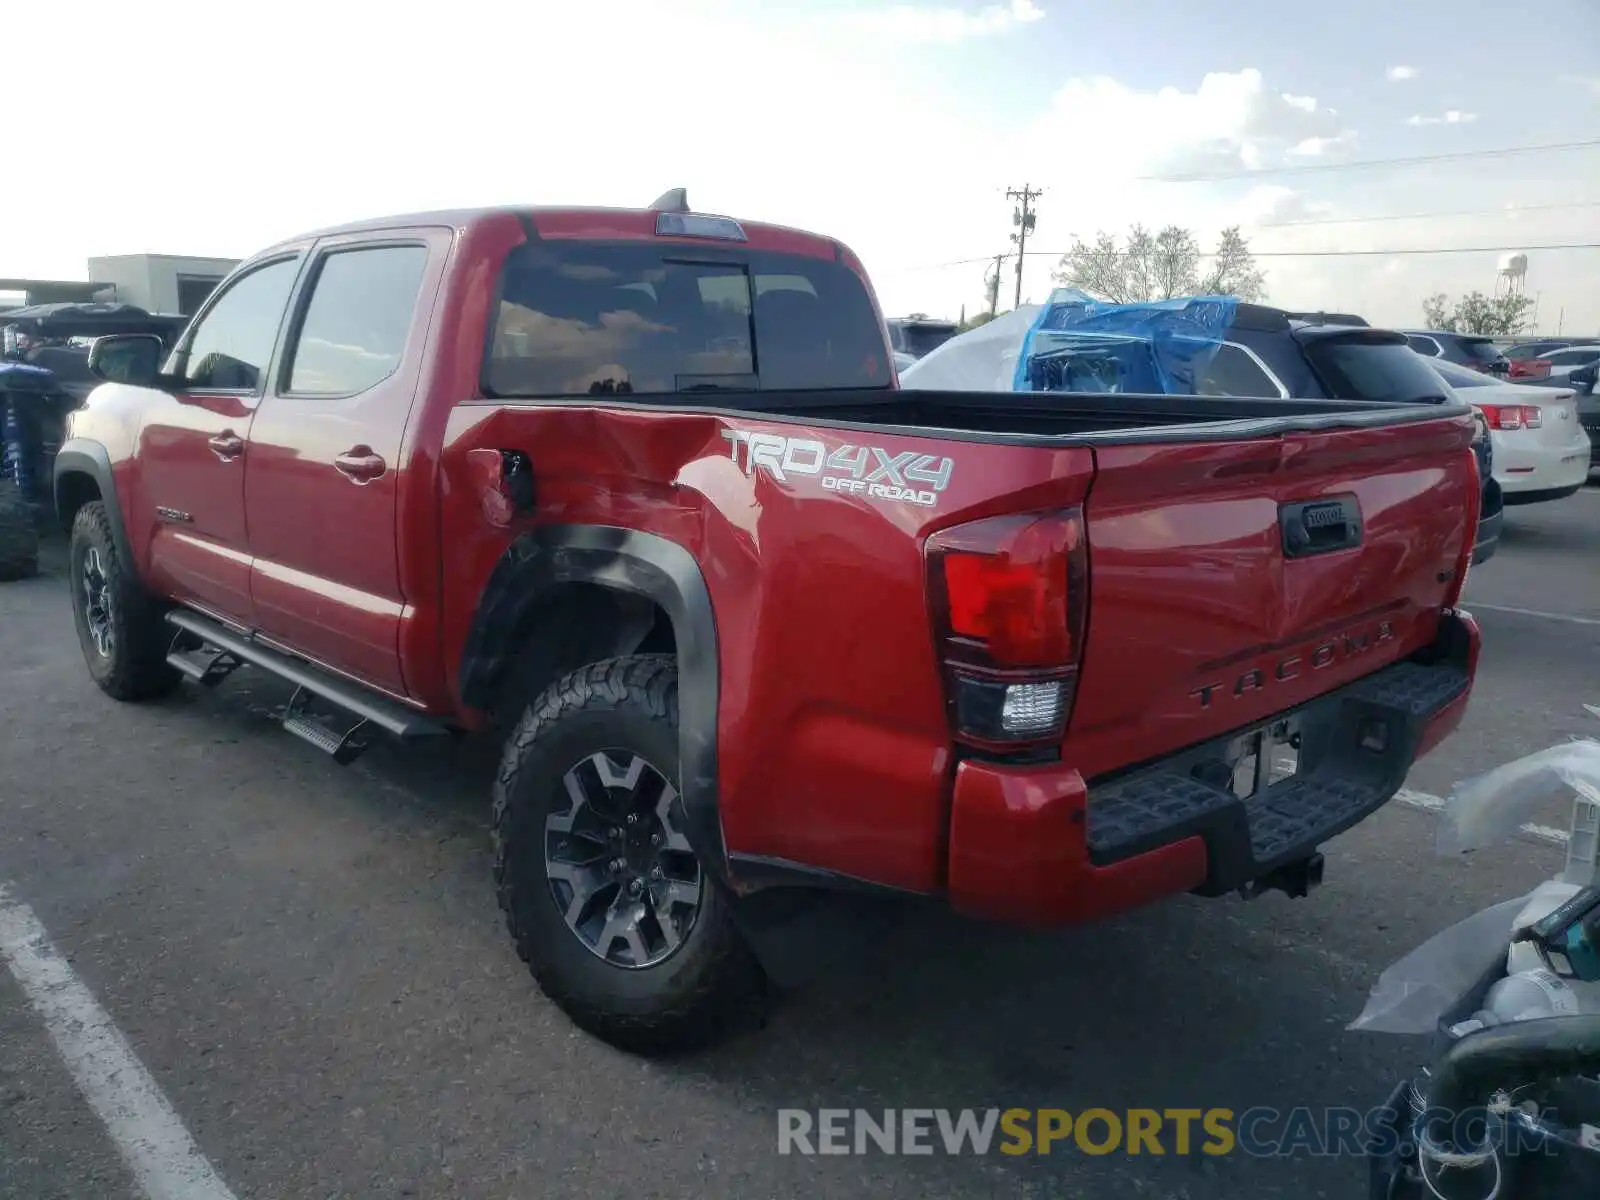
(913, 23)
(1400, 74)
(1273, 204)
(1318, 147)
(1231, 121)
(1451, 116)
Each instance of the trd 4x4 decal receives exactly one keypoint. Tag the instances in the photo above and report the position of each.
(870, 471)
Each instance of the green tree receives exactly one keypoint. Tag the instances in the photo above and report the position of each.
(1159, 266)
(1490, 316)
(1233, 270)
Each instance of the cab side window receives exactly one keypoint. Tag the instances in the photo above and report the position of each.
(231, 345)
(358, 320)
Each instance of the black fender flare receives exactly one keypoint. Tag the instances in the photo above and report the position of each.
(82, 456)
(543, 560)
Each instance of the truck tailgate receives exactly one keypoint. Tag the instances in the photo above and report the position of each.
(1206, 617)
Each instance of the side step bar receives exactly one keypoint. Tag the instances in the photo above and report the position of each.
(207, 652)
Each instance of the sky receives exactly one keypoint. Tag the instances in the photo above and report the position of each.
(217, 128)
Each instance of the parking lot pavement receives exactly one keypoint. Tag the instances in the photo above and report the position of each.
(309, 963)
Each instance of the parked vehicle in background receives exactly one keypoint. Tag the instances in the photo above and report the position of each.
(641, 486)
(919, 334)
(1526, 350)
(1464, 349)
(1541, 450)
(902, 360)
(1264, 352)
(1583, 381)
(1560, 364)
(44, 374)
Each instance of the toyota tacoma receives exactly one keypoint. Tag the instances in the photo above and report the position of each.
(639, 489)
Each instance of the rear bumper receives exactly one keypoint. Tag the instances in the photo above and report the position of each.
(1038, 845)
(1527, 475)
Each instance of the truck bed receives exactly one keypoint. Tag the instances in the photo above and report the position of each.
(1026, 416)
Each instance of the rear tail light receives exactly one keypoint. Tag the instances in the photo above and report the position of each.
(1529, 368)
(1009, 596)
(1512, 416)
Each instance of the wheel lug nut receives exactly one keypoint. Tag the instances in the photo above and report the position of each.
(655, 839)
(633, 818)
(635, 888)
(656, 874)
(616, 866)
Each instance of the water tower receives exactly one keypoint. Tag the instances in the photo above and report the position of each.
(1512, 277)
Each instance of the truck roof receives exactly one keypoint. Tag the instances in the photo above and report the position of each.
(594, 223)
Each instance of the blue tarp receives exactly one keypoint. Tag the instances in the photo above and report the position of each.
(1080, 344)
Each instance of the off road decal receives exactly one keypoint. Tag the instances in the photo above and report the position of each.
(869, 471)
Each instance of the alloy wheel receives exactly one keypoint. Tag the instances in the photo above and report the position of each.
(621, 870)
(97, 603)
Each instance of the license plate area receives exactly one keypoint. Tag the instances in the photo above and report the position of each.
(1264, 758)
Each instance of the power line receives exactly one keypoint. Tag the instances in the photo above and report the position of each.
(1465, 212)
(1314, 168)
(964, 262)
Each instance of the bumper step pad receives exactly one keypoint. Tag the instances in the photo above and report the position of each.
(1342, 778)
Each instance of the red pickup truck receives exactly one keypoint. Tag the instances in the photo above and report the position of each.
(640, 485)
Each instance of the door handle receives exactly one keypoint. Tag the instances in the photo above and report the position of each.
(360, 464)
(227, 445)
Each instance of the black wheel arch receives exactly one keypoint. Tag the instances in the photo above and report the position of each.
(600, 591)
(82, 475)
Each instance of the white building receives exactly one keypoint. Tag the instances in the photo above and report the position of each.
(161, 283)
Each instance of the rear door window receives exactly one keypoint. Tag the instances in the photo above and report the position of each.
(1424, 345)
(1358, 369)
(354, 331)
(644, 320)
(1234, 371)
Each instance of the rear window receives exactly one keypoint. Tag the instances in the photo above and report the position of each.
(1354, 369)
(642, 320)
(1460, 377)
(1482, 351)
(918, 340)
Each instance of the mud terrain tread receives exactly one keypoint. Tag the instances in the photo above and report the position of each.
(138, 668)
(728, 979)
(19, 534)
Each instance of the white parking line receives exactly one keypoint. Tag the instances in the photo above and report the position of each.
(1531, 612)
(1432, 803)
(166, 1163)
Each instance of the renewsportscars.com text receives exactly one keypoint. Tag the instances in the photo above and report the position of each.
(1256, 1132)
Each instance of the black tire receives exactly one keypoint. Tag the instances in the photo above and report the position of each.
(132, 663)
(19, 534)
(620, 706)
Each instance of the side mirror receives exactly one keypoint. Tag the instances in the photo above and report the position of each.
(133, 358)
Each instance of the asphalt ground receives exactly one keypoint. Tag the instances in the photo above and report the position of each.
(308, 962)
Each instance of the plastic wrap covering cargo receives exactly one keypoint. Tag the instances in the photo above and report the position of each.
(1080, 344)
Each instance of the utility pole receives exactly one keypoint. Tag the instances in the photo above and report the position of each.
(1023, 217)
(993, 286)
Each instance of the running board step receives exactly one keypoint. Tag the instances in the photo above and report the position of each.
(224, 650)
(203, 664)
(344, 746)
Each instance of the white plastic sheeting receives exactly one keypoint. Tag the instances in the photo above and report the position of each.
(981, 360)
